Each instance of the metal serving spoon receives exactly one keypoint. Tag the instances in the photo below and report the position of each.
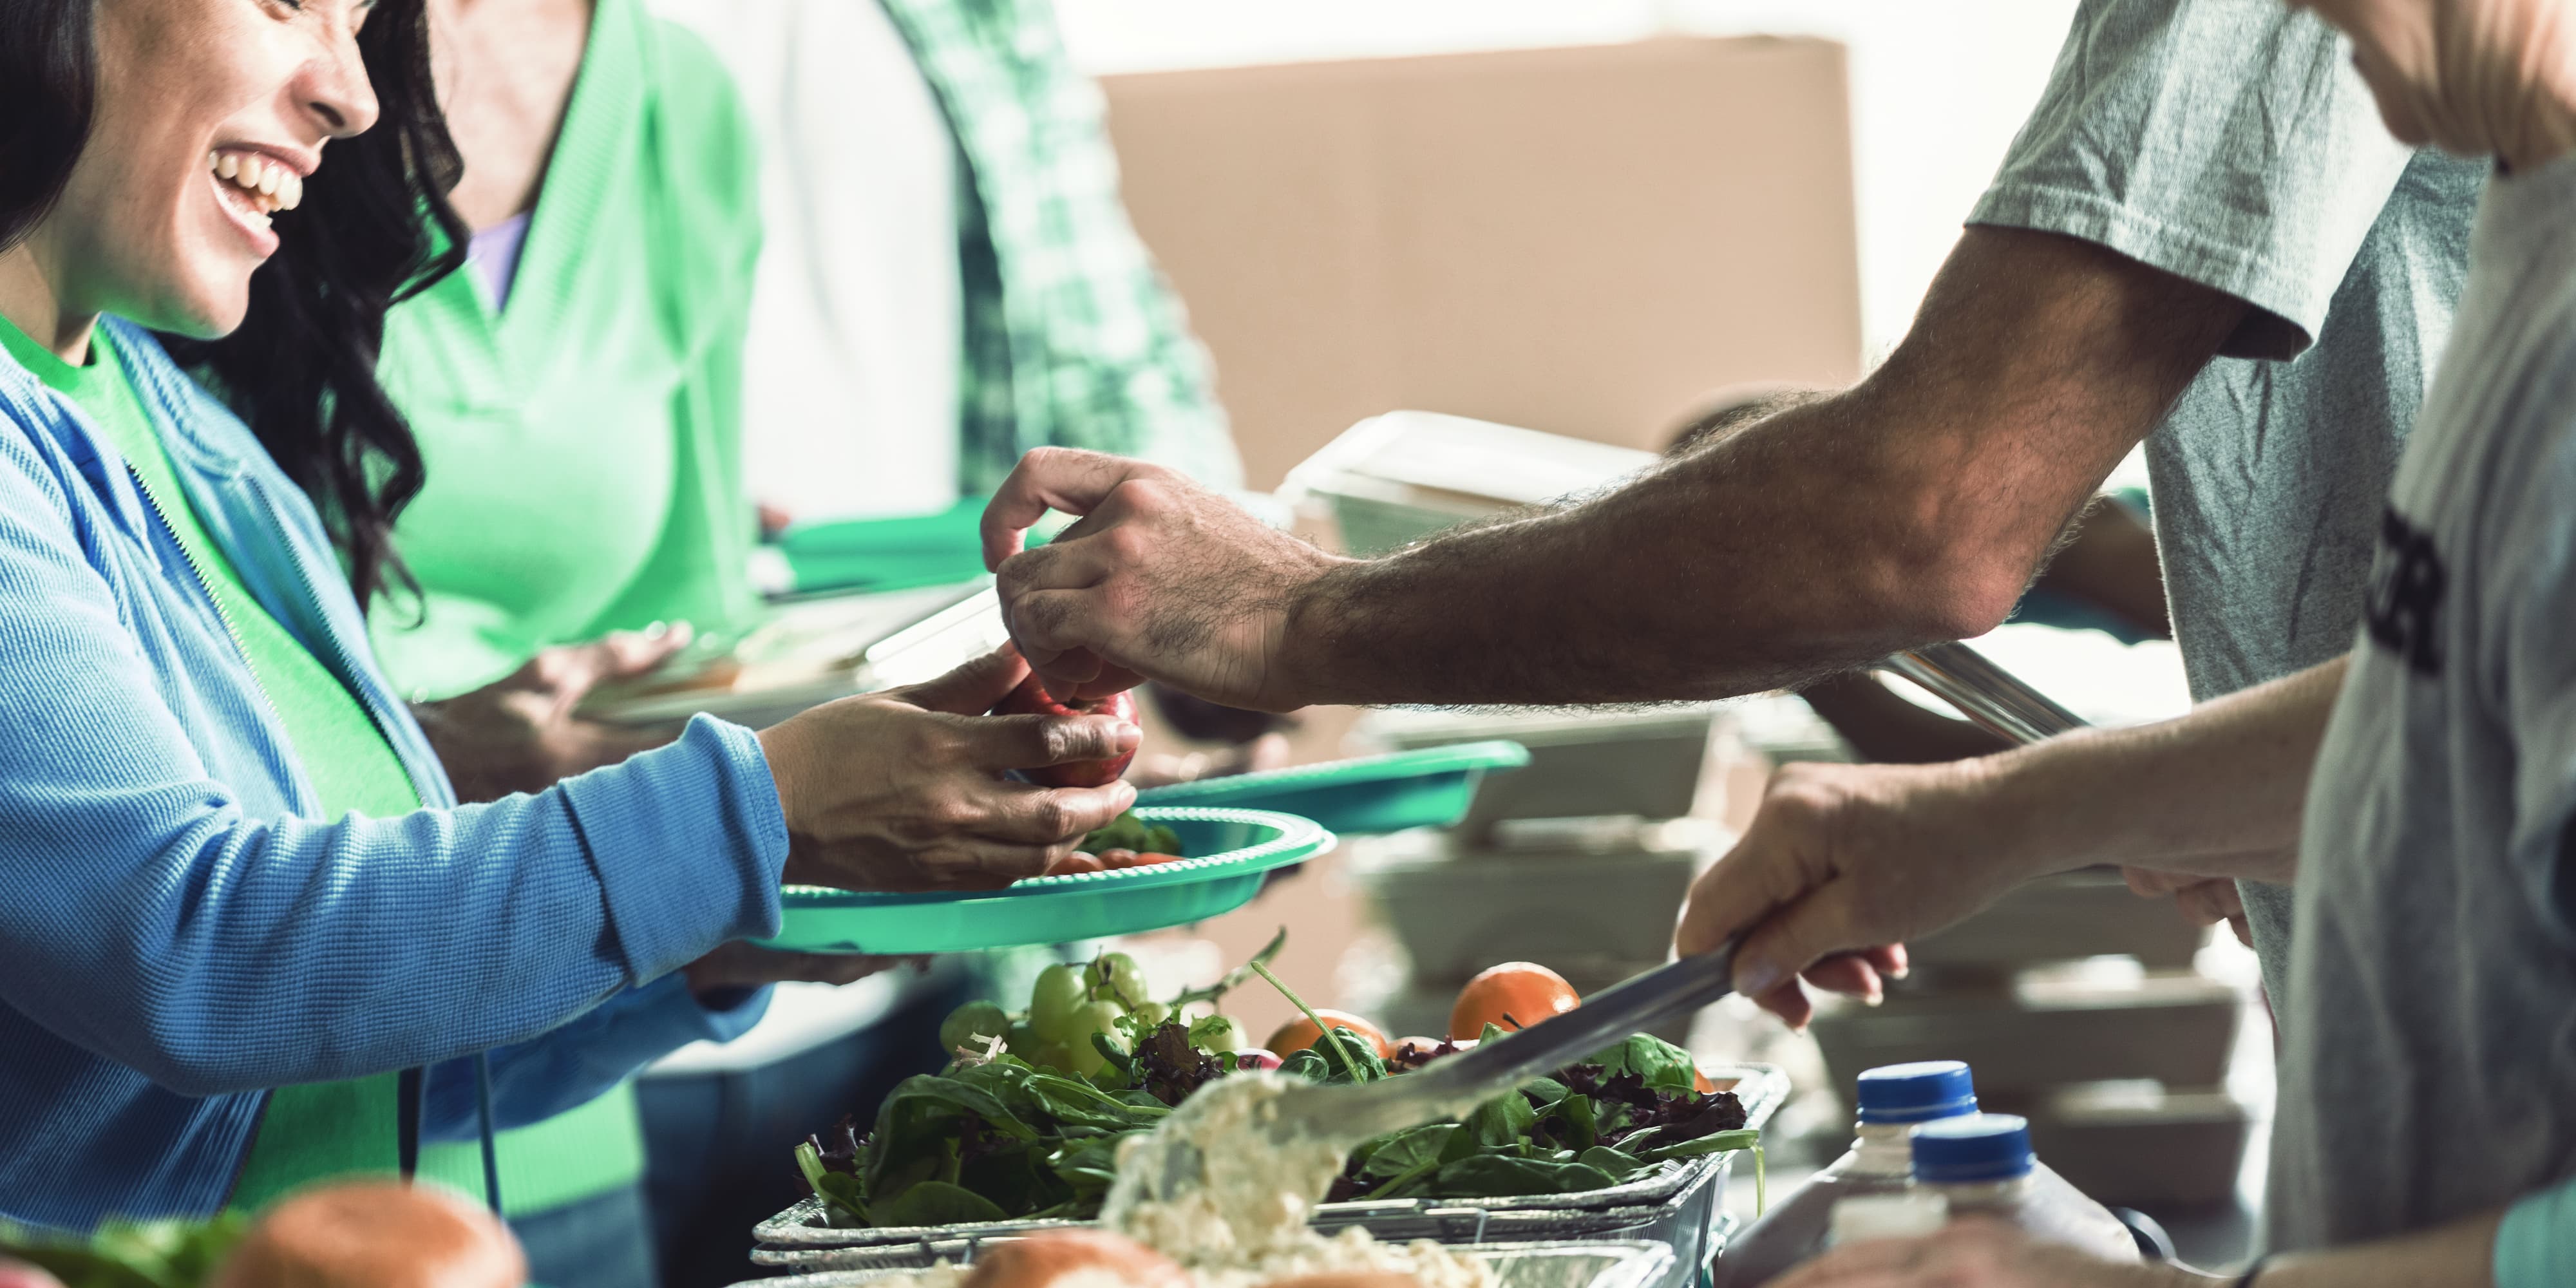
(1345, 1116)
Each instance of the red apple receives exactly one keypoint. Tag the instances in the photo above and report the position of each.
(1032, 699)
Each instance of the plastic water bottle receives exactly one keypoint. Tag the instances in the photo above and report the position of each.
(1894, 1100)
(1861, 1217)
(1982, 1164)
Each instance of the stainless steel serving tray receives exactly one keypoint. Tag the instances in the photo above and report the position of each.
(1583, 1264)
(1677, 1205)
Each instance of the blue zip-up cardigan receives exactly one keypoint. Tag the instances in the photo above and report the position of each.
(180, 930)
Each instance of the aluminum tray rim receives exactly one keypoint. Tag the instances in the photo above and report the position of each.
(1761, 1087)
(1492, 1227)
(1638, 1264)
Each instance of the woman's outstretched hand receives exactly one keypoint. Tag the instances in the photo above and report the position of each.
(904, 790)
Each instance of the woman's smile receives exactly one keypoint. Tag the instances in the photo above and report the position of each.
(250, 185)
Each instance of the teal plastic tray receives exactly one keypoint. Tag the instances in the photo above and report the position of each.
(1232, 849)
(1431, 787)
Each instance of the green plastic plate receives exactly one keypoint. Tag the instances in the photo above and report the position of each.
(887, 554)
(1431, 787)
(1232, 849)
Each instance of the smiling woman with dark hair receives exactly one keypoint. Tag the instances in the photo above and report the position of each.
(237, 895)
(303, 361)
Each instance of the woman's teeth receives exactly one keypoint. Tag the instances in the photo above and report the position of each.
(266, 186)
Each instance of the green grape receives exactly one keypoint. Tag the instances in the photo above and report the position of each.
(1024, 1042)
(1058, 1056)
(1152, 1013)
(969, 1025)
(1087, 1059)
(1118, 972)
(1095, 1017)
(1220, 1035)
(1058, 993)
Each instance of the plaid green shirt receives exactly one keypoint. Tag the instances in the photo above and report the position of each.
(1072, 336)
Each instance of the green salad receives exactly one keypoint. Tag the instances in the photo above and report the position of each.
(998, 1136)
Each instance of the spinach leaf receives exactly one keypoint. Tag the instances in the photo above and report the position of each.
(1314, 1065)
(1088, 1169)
(920, 1125)
(1006, 1080)
(1017, 1178)
(1392, 1156)
(1075, 1103)
(1717, 1143)
(1307, 1064)
(1363, 1057)
(1622, 1166)
(1573, 1122)
(1501, 1122)
(937, 1203)
(1497, 1175)
(1664, 1067)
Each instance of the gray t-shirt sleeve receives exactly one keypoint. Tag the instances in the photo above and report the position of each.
(2229, 142)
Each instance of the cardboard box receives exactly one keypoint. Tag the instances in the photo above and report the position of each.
(1582, 240)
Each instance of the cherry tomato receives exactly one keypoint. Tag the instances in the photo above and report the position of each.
(1032, 699)
(1514, 995)
(1300, 1033)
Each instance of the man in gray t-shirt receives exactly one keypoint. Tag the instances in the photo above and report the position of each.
(2201, 236)
(2229, 142)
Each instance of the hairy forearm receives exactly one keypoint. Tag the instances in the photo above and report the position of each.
(2218, 792)
(1768, 557)
(1910, 509)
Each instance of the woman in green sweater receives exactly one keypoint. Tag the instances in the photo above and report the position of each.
(575, 396)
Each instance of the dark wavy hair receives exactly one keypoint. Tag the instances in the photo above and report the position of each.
(301, 369)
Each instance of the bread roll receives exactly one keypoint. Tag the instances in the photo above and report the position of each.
(18, 1274)
(376, 1234)
(1074, 1259)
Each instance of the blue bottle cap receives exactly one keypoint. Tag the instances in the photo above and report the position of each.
(1978, 1147)
(1917, 1093)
